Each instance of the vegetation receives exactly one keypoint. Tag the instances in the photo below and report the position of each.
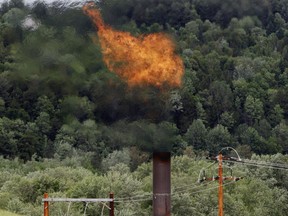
(62, 111)
(6, 213)
(263, 191)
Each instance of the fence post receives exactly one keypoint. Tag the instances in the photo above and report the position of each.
(111, 204)
(46, 205)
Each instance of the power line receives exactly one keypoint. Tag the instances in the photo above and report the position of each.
(186, 188)
(260, 165)
(276, 165)
(215, 187)
(135, 199)
(131, 199)
(176, 190)
(270, 163)
(253, 163)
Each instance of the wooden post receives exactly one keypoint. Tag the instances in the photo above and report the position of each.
(111, 204)
(220, 189)
(46, 205)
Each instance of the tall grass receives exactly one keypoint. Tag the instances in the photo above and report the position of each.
(6, 213)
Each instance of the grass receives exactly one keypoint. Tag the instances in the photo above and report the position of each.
(6, 213)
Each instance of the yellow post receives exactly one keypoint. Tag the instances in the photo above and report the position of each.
(220, 189)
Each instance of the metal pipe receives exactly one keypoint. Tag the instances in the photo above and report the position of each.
(161, 184)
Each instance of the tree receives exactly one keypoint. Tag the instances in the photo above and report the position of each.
(196, 135)
(40, 10)
(249, 136)
(244, 68)
(147, 13)
(80, 108)
(8, 146)
(43, 121)
(2, 107)
(264, 128)
(152, 136)
(28, 145)
(280, 132)
(190, 33)
(115, 158)
(237, 37)
(254, 109)
(13, 18)
(282, 100)
(227, 120)
(44, 104)
(220, 100)
(218, 138)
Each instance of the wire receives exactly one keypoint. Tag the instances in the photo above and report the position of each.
(261, 165)
(207, 189)
(185, 188)
(215, 162)
(143, 197)
(264, 162)
(271, 163)
(131, 199)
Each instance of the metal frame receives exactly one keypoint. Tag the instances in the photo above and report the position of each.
(46, 201)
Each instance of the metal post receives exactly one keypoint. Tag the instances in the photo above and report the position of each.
(161, 184)
(46, 205)
(111, 204)
(220, 189)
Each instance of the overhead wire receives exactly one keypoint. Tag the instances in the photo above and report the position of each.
(177, 189)
(190, 187)
(133, 197)
(211, 188)
(187, 189)
(262, 165)
(134, 200)
(145, 195)
(265, 162)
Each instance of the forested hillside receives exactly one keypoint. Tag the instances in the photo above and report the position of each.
(60, 103)
(263, 191)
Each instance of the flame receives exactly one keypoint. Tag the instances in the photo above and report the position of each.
(144, 60)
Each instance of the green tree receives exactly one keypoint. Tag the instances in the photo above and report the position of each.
(115, 158)
(218, 138)
(227, 120)
(264, 128)
(220, 100)
(196, 135)
(253, 109)
(280, 132)
(43, 121)
(249, 136)
(44, 104)
(153, 137)
(13, 18)
(281, 99)
(80, 108)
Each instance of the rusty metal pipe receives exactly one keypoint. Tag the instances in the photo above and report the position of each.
(161, 184)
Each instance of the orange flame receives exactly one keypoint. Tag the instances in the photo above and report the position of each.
(144, 60)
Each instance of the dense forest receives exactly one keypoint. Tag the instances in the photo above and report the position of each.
(63, 111)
